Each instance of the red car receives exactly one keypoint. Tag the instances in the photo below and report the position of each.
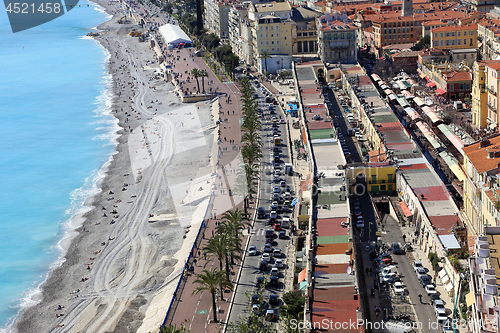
(277, 227)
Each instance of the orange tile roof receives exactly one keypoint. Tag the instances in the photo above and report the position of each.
(455, 76)
(489, 63)
(495, 65)
(479, 157)
(456, 28)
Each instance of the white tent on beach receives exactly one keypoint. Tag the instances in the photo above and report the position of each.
(174, 36)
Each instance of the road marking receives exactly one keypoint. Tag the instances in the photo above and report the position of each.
(202, 312)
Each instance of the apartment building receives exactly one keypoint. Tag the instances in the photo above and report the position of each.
(271, 31)
(337, 41)
(489, 38)
(482, 168)
(217, 17)
(454, 37)
(237, 17)
(391, 28)
(482, 298)
(483, 6)
(304, 31)
(479, 95)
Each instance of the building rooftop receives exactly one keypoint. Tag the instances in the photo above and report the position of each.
(455, 28)
(270, 7)
(484, 155)
(301, 14)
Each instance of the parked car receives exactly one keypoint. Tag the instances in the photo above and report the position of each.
(399, 288)
(277, 253)
(273, 299)
(420, 271)
(430, 289)
(387, 277)
(270, 315)
(417, 264)
(278, 263)
(266, 257)
(282, 234)
(252, 250)
(425, 280)
(263, 266)
(274, 281)
(275, 272)
(261, 213)
(260, 281)
(396, 248)
(268, 248)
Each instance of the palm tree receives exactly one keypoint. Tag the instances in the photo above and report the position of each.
(211, 280)
(203, 75)
(265, 55)
(217, 248)
(195, 72)
(174, 329)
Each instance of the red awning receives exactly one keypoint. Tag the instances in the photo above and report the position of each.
(405, 209)
(440, 91)
(302, 275)
(431, 84)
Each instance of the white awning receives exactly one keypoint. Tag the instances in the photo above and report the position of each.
(441, 273)
(445, 279)
(448, 287)
(449, 241)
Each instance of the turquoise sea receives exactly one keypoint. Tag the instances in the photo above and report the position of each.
(56, 135)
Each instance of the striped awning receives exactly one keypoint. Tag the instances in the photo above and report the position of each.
(302, 275)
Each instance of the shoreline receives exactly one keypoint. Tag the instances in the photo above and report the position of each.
(119, 269)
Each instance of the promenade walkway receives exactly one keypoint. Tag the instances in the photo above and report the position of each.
(197, 309)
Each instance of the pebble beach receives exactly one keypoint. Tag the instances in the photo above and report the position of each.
(123, 264)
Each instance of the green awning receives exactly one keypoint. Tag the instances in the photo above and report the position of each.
(322, 133)
(333, 239)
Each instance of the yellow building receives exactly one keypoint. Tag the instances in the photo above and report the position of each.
(454, 37)
(482, 169)
(378, 179)
(479, 96)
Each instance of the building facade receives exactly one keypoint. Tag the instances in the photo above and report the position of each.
(217, 17)
(479, 95)
(337, 41)
(482, 167)
(454, 37)
(237, 17)
(304, 31)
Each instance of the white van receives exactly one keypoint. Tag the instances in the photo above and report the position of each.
(285, 222)
(389, 270)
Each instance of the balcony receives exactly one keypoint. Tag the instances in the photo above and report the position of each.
(339, 44)
(491, 107)
(491, 91)
(306, 36)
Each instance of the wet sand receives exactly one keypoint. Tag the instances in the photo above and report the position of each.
(122, 265)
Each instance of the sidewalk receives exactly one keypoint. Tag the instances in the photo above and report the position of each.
(197, 309)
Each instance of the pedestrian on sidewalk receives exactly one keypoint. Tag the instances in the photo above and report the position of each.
(420, 297)
(195, 261)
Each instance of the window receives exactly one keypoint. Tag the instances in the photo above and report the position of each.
(260, 35)
(272, 35)
(261, 43)
(272, 42)
(441, 34)
(266, 35)
(411, 35)
(436, 43)
(465, 41)
(447, 42)
(447, 34)
(278, 49)
(471, 42)
(285, 38)
(277, 35)
(459, 42)
(267, 43)
(277, 42)
(441, 43)
(471, 33)
(458, 34)
(299, 34)
(453, 34)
